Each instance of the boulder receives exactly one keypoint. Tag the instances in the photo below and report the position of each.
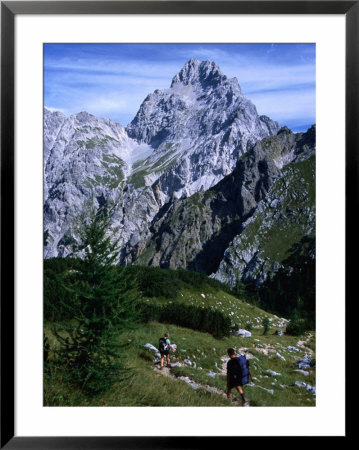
(311, 389)
(242, 333)
(305, 363)
(308, 387)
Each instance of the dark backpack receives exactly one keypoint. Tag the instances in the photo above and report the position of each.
(162, 345)
(240, 370)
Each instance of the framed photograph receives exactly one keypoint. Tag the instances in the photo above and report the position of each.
(175, 183)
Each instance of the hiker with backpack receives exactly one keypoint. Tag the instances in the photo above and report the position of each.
(164, 347)
(237, 374)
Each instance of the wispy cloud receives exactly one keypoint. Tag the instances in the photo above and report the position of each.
(287, 106)
(112, 80)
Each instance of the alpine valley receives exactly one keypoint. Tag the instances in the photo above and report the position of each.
(200, 181)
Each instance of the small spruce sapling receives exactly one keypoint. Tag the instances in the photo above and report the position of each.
(266, 325)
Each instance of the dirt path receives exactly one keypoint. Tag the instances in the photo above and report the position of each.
(303, 344)
(166, 372)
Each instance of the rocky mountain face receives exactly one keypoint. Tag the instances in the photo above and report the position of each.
(199, 180)
(242, 228)
(183, 140)
(282, 220)
(84, 157)
(199, 128)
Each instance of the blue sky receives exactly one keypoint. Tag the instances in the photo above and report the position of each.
(112, 80)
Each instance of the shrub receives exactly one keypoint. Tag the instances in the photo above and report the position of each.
(266, 325)
(297, 327)
(189, 316)
(156, 282)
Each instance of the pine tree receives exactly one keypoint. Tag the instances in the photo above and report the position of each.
(103, 304)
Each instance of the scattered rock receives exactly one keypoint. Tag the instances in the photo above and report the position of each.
(274, 374)
(176, 364)
(270, 391)
(189, 381)
(190, 363)
(280, 356)
(305, 363)
(279, 332)
(308, 387)
(293, 349)
(151, 347)
(303, 372)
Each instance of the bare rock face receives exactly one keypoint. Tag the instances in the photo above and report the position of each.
(183, 140)
(84, 157)
(200, 126)
(226, 230)
(282, 219)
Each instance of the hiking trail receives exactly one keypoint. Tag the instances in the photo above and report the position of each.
(166, 371)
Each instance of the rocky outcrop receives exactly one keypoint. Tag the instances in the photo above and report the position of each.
(84, 157)
(199, 232)
(281, 219)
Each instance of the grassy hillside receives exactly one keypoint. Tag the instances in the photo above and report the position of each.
(199, 378)
(287, 215)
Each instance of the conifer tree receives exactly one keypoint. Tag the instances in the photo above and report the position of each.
(266, 324)
(103, 303)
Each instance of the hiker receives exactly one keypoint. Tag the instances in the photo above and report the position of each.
(164, 348)
(237, 374)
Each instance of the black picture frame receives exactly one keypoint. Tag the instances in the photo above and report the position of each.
(9, 9)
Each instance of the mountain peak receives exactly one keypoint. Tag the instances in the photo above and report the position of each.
(205, 73)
